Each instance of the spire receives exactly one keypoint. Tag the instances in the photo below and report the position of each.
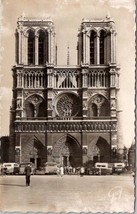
(68, 54)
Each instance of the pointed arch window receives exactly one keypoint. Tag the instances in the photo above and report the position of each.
(31, 48)
(92, 47)
(41, 47)
(17, 47)
(102, 50)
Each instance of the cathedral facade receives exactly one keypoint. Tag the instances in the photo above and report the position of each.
(66, 114)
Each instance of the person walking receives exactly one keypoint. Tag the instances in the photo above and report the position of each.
(61, 171)
(82, 171)
(28, 174)
(58, 171)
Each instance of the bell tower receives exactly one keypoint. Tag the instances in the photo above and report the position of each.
(97, 58)
(35, 59)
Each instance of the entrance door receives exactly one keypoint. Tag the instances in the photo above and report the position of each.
(38, 163)
(32, 160)
(64, 161)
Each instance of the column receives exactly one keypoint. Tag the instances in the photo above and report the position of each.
(104, 79)
(35, 81)
(113, 48)
(22, 80)
(98, 50)
(38, 80)
(52, 48)
(84, 47)
(41, 81)
(55, 80)
(20, 47)
(49, 47)
(36, 50)
(25, 50)
(87, 60)
(17, 80)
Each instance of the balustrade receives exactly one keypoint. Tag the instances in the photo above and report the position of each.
(81, 126)
(31, 79)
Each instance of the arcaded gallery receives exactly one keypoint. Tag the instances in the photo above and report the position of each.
(66, 114)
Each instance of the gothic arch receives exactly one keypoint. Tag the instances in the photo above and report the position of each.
(40, 29)
(68, 146)
(104, 148)
(35, 106)
(103, 30)
(98, 106)
(35, 94)
(26, 31)
(91, 29)
(99, 148)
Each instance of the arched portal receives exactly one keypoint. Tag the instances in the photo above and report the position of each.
(104, 149)
(67, 151)
(99, 150)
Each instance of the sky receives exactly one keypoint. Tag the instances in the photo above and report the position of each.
(67, 16)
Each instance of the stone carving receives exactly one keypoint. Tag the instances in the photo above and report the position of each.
(98, 100)
(49, 151)
(85, 94)
(65, 150)
(50, 105)
(113, 104)
(35, 100)
(26, 94)
(84, 150)
(19, 93)
(103, 92)
(50, 94)
(55, 93)
(19, 103)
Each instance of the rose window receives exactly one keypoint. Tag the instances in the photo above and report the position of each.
(67, 105)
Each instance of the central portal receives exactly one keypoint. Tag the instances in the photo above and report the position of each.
(67, 151)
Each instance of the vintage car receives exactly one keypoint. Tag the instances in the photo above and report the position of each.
(50, 168)
(104, 168)
(91, 171)
(11, 168)
(118, 168)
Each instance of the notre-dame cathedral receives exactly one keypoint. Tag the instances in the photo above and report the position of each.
(66, 114)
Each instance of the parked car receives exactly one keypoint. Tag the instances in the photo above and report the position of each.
(118, 168)
(11, 168)
(50, 168)
(23, 165)
(104, 168)
(92, 171)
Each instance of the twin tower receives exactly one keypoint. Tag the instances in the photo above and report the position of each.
(66, 114)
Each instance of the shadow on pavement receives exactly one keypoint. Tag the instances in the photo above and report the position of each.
(18, 185)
